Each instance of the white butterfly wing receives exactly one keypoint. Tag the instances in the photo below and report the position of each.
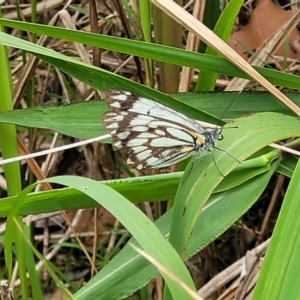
(149, 134)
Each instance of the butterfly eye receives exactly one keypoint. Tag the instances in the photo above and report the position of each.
(216, 134)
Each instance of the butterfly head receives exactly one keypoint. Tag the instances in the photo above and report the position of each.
(208, 139)
(216, 134)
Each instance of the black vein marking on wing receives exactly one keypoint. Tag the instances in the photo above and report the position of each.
(128, 104)
(174, 152)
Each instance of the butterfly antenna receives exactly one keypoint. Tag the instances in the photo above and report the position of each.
(231, 127)
(228, 154)
(193, 162)
(230, 104)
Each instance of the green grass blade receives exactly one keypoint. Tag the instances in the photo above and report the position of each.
(158, 52)
(9, 148)
(137, 189)
(145, 232)
(279, 277)
(102, 80)
(33, 274)
(223, 28)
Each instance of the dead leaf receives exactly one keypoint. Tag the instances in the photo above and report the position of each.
(266, 19)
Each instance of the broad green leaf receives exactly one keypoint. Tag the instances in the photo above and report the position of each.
(253, 133)
(80, 120)
(245, 171)
(65, 118)
(231, 105)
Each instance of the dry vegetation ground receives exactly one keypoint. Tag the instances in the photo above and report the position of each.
(257, 23)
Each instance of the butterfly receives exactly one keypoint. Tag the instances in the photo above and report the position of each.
(151, 135)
